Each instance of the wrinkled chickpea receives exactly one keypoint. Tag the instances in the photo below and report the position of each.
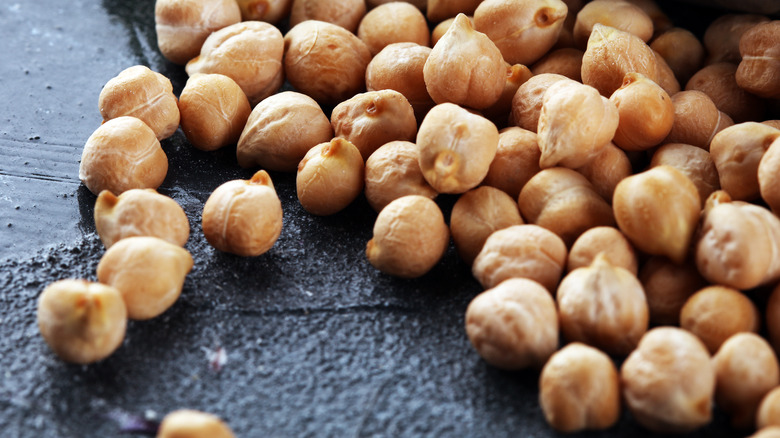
(759, 69)
(715, 313)
(718, 81)
(243, 217)
(149, 273)
(399, 67)
(668, 286)
(516, 161)
(606, 170)
(186, 423)
(681, 50)
(620, 15)
(344, 13)
(721, 38)
(330, 176)
(82, 322)
(606, 241)
(439, 10)
(693, 162)
(646, 113)
(737, 152)
(566, 62)
(769, 410)
(270, 11)
(696, 119)
(513, 325)
(394, 22)
(527, 102)
(392, 171)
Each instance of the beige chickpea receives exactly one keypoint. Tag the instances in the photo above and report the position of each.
(718, 81)
(183, 25)
(250, 53)
(769, 409)
(243, 217)
(465, 67)
(681, 50)
(82, 322)
(369, 120)
(646, 113)
(498, 113)
(696, 119)
(661, 21)
(715, 313)
(274, 136)
(344, 13)
(721, 38)
(606, 170)
(410, 237)
(566, 36)
(455, 148)
(694, 162)
(737, 152)
(668, 286)
(513, 325)
(139, 212)
(746, 369)
(144, 94)
(392, 171)
(325, 61)
(759, 69)
(439, 10)
(658, 210)
(769, 175)
(669, 381)
(399, 67)
(767, 432)
(394, 22)
(149, 273)
(214, 111)
(620, 15)
(270, 11)
(608, 241)
(420, 4)
(527, 102)
(524, 30)
(186, 423)
(516, 161)
(521, 251)
(566, 62)
(122, 154)
(664, 75)
(476, 215)
(440, 29)
(330, 176)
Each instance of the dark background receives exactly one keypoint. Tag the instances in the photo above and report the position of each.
(318, 342)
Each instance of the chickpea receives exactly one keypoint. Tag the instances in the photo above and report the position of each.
(773, 123)
(250, 53)
(579, 389)
(768, 169)
(420, 4)
(715, 313)
(122, 154)
(440, 29)
(661, 21)
(455, 148)
(721, 38)
(187, 423)
(606, 170)
(718, 81)
(330, 176)
(521, 251)
(668, 286)
(737, 152)
(664, 75)
(646, 113)
(399, 67)
(498, 113)
(758, 71)
(608, 241)
(696, 119)
(140, 212)
(527, 102)
(769, 410)
(344, 13)
(270, 11)
(772, 316)
(183, 25)
(620, 15)
(439, 10)
(82, 322)
(410, 237)
(767, 432)
(669, 381)
(693, 162)
(394, 22)
(272, 137)
(392, 171)
(476, 215)
(214, 111)
(566, 62)
(681, 50)
(243, 217)
(141, 93)
(513, 325)
(516, 161)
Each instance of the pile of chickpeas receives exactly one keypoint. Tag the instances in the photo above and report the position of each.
(617, 182)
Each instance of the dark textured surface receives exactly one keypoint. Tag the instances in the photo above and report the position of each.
(318, 342)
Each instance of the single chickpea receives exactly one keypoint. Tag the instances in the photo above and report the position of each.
(696, 119)
(694, 162)
(455, 148)
(620, 15)
(769, 410)
(669, 381)
(737, 152)
(183, 25)
(527, 102)
(664, 75)
(214, 111)
(760, 66)
(661, 22)
(440, 29)
(344, 13)
(608, 241)
(606, 170)
(439, 10)
(715, 313)
(250, 53)
(566, 62)
(394, 22)
(409, 238)
(144, 94)
(392, 171)
(272, 137)
(122, 154)
(579, 389)
(325, 61)
(186, 423)
(668, 286)
(718, 81)
(82, 322)
(769, 175)
(721, 38)
(516, 161)
(498, 113)
(270, 11)
(399, 67)
(772, 317)
(140, 212)
(646, 113)
(681, 50)
(330, 176)
(243, 217)
(513, 325)
(476, 215)
(521, 251)
(149, 273)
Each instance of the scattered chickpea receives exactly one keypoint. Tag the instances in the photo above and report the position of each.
(681, 50)
(693, 162)
(620, 15)
(270, 11)
(516, 161)
(718, 81)
(566, 62)
(399, 67)
(696, 119)
(394, 22)
(187, 423)
(668, 286)
(392, 171)
(527, 102)
(758, 71)
(769, 410)
(608, 241)
(646, 113)
(344, 13)
(606, 170)
(722, 36)
(330, 176)
(715, 313)
(737, 152)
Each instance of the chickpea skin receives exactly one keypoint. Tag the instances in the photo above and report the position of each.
(399, 67)
(330, 177)
(667, 287)
(759, 69)
(715, 313)
(694, 162)
(696, 119)
(608, 241)
(394, 22)
(392, 171)
(186, 423)
(620, 15)
(270, 11)
(646, 113)
(719, 82)
(516, 161)
(527, 101)
(737, 152)
(606, 170)
(768, 175)
(343, 13)
(681, 50)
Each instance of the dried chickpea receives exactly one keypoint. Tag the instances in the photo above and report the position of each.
(440, 29)
(566, 62)
(773, 123)
(144, 94)
(399, 67)
(521, 251)
(694, 162)
(183, 25)
(274, 136)
(718, 81)
(476, 215)
(394, 22)
(439, 10)
(759, 69)
(737, 152)
(608, 241)
(371, 119)
(243, 217)
(513, 325)
(82, 322)
(139, 212)
(721, 38)
(646, 113)
(330, 176)
(122, 154)
(661, 22)
(767, 432)
(465, 67)
(250, 53)
(768, 173)
(620, 15)
(669, 381)
(606, 170)
(498, 113)
(696, 119)
(392, 171)
(715, 313)
(579, 389)
(455, 148)
(186, 423)
(664, 75)
(772, 317)
(149, 273)
(527, 102)
(668, 286)
(420, 4)
(409, 238)
(746, 369)
(516, 161)
(344, 13)
(566, 37)
(769, 409)
(681, 50)
(214, 111)
(270, 11)
(325, 61)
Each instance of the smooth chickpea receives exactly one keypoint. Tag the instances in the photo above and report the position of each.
(760, 66)
(243, 217)
(769, 410)
(737, 152)
(696, 119)
(193, 424)
(410, 237)
(681, 50)
(82, 322)
(140, 212)
(718, 81)
(392, 171)
(608, 241)
(646, 113)
(513, 325)
(620, 15)
(769, 175)
(439, 10)
(270, 11)
(721, 38)
(399, 67)
(394, 22)
(715, 313)
(694, 162)
(330, 176)
(516, 161)
(527, 102)
(566, 62)
(668, 286)
(344, 13)
(606, 170)
(122, 154)
(149, 273)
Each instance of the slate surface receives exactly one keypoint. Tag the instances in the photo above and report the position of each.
(318, 343)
